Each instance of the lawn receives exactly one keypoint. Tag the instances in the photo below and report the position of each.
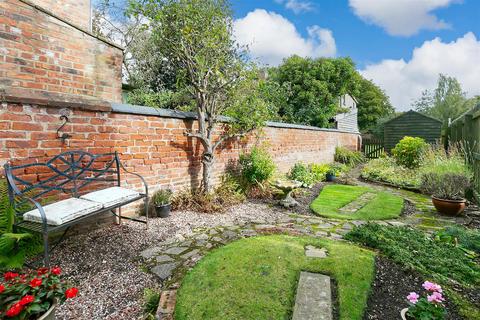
(256, 278)
(383, 205)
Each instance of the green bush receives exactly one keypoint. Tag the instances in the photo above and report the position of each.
(435, 159)
(458, 235)
(180, 100)
(348, 157)
(409, 152)
(414, 249)
(302, 173)
(256, 166)
(319, 171)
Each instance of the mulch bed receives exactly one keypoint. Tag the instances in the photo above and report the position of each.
(390, 288)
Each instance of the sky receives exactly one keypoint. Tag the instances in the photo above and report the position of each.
(401, 45)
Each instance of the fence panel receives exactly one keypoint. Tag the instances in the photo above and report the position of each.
(373, 148)
(466, 130)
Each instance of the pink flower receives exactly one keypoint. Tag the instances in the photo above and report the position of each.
(435, 297)
(413, 297)
(430, 286)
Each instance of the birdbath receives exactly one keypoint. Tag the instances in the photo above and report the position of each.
(287, 186)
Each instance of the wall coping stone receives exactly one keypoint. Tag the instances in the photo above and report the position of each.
(59, 101)
(167, 113)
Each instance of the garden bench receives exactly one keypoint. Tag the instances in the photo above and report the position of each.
(81, 185)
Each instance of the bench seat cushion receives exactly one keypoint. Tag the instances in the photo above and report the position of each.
(63, 211)
(111, 196)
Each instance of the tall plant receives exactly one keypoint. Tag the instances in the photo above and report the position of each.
(14, 246)
(196, 36)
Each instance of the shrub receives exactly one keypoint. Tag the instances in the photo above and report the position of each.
(302, 173)
(466, 238)
(414, 249)
(347, 156)
(162, 197)
(449, 186)
(319, 171)
(409, 152)
(256, 166)
(227, 194)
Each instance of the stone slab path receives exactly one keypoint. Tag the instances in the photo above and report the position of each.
(358, 203)
(314, 297)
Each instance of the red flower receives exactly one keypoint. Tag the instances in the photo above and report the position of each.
(2, 288)
(42, 271)
(56, 271)
(71, 293)
(26, 300)
(35, 282)
(14, 310)
(10, 276)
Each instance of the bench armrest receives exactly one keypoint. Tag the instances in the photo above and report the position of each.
(137, 175)
(40, 209)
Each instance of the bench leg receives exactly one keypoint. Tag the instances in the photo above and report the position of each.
(146, 211)
(119, 216)
(46, 253)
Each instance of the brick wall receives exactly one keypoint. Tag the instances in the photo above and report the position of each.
(152, 146)
(43, 57)
(76, 11)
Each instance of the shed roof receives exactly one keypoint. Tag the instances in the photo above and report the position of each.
(413, 112)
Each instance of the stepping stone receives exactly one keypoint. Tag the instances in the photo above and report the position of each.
(150, 252)
(202, 236)
(190, 254)
(229, 234)
(163, 259)
(314, 298)
(164, 271)
(358, 203)
(176, 250)
(314, 252)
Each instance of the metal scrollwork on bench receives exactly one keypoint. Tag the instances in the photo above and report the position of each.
(64, 136)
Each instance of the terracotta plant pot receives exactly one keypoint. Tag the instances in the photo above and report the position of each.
(163, 211)
(449, 207)
(50, 314)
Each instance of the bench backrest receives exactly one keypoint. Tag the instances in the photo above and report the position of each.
(69, 173)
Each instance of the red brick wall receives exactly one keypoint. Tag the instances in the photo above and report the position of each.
(43, 57)
(74, 11)
(152, 146)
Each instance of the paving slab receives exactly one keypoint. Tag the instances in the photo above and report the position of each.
(314, 252)
(164, 271)
(314, 297)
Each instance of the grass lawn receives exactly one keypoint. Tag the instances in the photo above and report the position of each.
(384, 205)
(256, 278)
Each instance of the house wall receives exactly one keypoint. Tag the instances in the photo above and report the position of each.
(411, 124)
(153, 145)
(43, 57)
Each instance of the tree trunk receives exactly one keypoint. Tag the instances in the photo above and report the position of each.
(207, 161)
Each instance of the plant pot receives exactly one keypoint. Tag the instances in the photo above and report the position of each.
(50, 314)
(403, 314)
(449, 207)
(330, 177)
(163, 211)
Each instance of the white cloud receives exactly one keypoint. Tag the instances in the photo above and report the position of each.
(404, 81)
(401, 17)
(271, 38)
(297, 6)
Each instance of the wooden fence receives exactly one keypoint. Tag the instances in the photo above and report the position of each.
(372, 148)
(466, 130)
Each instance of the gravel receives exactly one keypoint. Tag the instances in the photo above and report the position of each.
(105, 265)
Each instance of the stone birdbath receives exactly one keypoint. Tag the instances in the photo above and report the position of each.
(287, 186)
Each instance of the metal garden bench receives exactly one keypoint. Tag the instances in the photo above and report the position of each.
(88, 185)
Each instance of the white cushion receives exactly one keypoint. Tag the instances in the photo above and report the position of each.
(63, 211)
(111, 196)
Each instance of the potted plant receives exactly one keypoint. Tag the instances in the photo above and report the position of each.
(161, 201)
(33, 295)
(332, 172)
(430, 307)
(447, 190)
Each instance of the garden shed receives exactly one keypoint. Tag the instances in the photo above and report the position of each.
(414, 124)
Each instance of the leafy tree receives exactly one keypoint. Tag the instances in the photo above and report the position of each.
(447, 101)
(373, 105)
(313, 87)
(196, 37)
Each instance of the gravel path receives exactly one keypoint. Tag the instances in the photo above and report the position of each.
(105, 266)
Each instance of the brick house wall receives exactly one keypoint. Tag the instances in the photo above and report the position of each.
(151, 145)
(77, 12)
(42, 56)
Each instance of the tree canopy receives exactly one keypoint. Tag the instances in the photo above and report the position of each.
(373, 105)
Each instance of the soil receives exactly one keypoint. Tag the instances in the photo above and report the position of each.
(390, 288)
